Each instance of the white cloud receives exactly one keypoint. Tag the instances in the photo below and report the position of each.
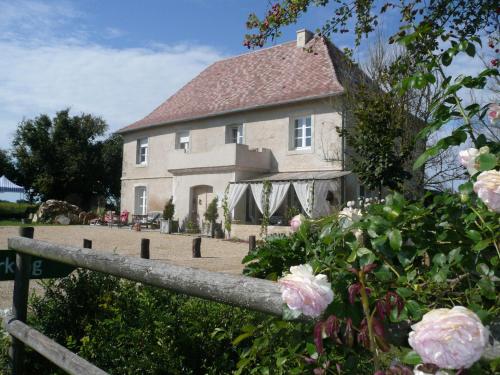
(121, 85)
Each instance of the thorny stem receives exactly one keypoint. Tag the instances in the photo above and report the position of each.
(366, 311)
(460, 109)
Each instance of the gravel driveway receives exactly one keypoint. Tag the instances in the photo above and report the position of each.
(217, 255)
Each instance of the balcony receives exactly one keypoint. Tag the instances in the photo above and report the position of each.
(225, 158)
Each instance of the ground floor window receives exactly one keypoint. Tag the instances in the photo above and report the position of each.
(140, 207)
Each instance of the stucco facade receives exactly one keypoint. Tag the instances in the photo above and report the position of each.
(213, 161)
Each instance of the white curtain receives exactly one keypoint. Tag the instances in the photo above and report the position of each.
(278, 193)
(234, 195)
(257, 191)
(322, 207)
(304, 191)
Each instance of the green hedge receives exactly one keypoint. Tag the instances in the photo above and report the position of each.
(17, 211)
(128, 328)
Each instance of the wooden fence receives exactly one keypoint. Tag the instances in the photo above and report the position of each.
(247, 292)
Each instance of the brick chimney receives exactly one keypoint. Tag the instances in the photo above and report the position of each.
(303, 36)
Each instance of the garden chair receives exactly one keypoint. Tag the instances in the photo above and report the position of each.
(124, 218)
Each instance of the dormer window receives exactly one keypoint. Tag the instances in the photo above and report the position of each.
(234, 134)
(302, 133)
(141, 157)
(183, 141)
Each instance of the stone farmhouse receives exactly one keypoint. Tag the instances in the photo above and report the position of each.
(270, 114)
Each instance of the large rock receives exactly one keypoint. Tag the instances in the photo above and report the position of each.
(49, 211)
(62, 219)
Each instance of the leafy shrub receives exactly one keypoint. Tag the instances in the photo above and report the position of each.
(211, 214)
(18, 211)
(169, 209)
(275, 255)
(125, 327)
(434, 252)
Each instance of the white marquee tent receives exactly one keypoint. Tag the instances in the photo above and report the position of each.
(7, 186)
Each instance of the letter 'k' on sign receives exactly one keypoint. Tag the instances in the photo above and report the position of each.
(40, 268)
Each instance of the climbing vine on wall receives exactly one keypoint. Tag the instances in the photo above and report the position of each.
(266, 192)
(227, 214)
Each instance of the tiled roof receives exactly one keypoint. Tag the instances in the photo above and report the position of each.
(279, 74)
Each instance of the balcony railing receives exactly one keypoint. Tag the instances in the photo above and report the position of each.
(228, 157)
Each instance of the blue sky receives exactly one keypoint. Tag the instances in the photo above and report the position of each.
(118, 59)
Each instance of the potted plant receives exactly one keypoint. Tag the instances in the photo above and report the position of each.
(211, 215)
(168, 214)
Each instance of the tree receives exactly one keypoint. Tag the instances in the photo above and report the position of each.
(433, 35)
(379, 156)
(111, 153)
(6, 165)
(65, 158)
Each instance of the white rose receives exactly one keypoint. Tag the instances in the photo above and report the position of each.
(487, 187)
(468, 159)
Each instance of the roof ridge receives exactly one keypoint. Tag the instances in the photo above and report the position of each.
(252, 52)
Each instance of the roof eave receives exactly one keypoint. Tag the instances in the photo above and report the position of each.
(262, 106)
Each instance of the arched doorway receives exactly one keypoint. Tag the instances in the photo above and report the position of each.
(201, 196)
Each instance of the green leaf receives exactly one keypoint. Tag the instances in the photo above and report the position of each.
(486, 162)
(241, 337)
(466, 188)
(474, 235)
(281, 361)
(404, 292)
(439, 259)
(395, 239)
(352, 257)
(311, 349)
(412, 358)
(487, 288)
(447, 58)
(481, 245)
(430, 152)
(483, 269)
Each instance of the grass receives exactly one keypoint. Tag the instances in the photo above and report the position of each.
(18, 223)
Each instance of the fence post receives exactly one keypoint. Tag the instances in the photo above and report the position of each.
(20, 301)
(251, 243)
(197, 247)
(145, 248)
(87, 244)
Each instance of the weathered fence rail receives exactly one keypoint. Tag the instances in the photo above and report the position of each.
(250, 293)
(247, 292)
(57, 354)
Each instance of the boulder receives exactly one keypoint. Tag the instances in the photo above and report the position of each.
(62, 219)
(51, 209)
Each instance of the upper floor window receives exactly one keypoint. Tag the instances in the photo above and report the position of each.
(302, 130)
(183, 141)
(142, 151)
(234, 134)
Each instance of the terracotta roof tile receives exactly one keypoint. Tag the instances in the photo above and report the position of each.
(266, 77)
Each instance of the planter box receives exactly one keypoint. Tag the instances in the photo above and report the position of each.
(165, 226)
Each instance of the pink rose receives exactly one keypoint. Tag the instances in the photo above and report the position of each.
(468, 159)
(487, 187)
(449, 338)
(494, 113)
(296, 222)
(304, 292)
